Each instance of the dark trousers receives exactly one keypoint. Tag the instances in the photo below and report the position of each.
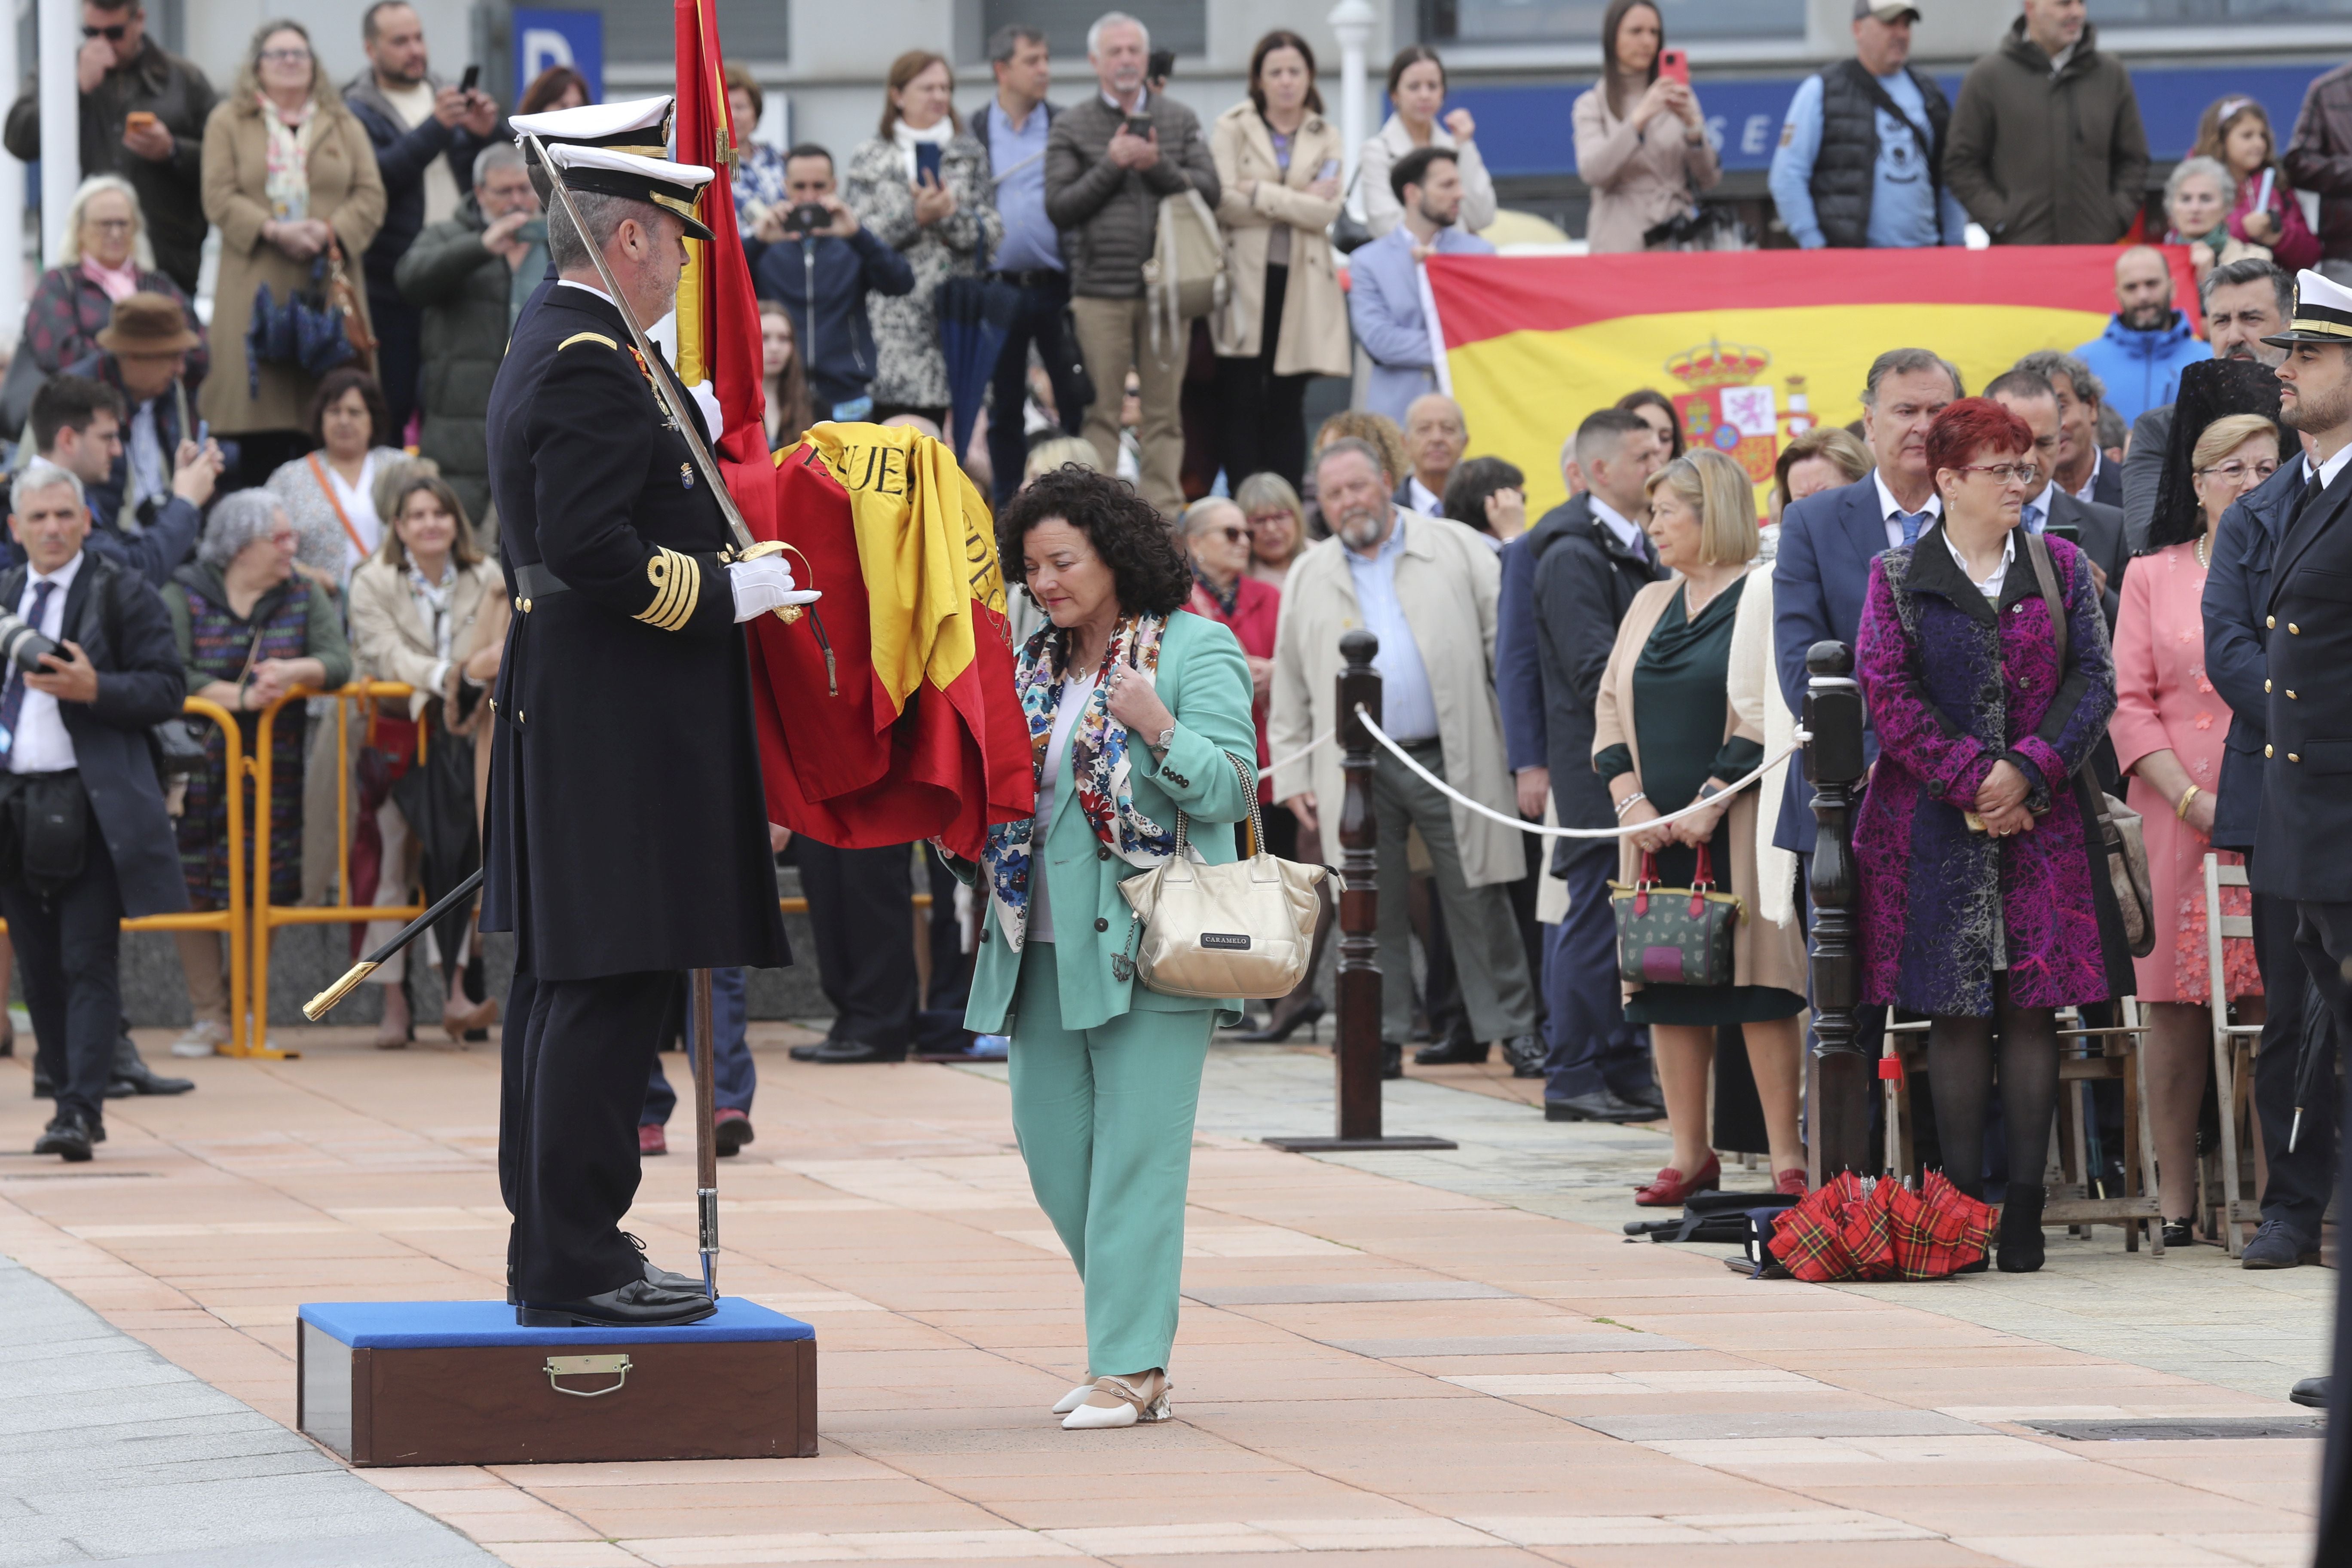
(2299, 1183)
(573, 1066)
(68, 946)
(1261, 418)
(862, 908)
(1039, 320)
(1589, 1046)
(2324, 937)
(733, 1078)
(399, 359)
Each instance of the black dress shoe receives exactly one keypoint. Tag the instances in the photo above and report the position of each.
(639, 1304)
(1450, 1053)
(1647, 1106)
(734, 1130)
(1279, 1024)
(2310, 1390)
(1391, 1060)
(837, 1053)
(1526, 1054)
(130, 1069)
(805, 1053)
(1598, 1106)
(67, 1135)
(667, 1279)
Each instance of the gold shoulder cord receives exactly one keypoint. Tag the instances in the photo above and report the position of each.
(678, 588)
(587, 338)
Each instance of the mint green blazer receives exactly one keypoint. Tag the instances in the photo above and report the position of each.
(1204, 680)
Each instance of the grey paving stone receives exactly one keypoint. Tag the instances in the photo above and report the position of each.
(1783, 1424)
(1510, 1345)
(1315, 1295)
(111, 1454)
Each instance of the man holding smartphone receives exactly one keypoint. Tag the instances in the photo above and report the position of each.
(426, 135)
(811, 252)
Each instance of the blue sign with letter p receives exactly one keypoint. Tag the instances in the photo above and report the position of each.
(544, 38)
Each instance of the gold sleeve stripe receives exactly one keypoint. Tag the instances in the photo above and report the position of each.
(678, 588)
(587, 338)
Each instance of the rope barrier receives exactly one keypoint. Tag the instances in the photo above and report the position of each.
(1299, 755)
(1619, 832)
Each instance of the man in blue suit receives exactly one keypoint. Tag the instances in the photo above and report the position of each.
(1828, 542)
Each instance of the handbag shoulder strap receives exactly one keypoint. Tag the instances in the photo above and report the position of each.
(1249, 791)
(2045, 577)
(327, 487)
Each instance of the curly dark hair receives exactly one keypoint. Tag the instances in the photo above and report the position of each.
(1147, 567)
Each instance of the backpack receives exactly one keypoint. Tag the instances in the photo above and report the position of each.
(1186, 275)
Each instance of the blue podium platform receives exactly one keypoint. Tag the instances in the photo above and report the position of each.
(459, 1382)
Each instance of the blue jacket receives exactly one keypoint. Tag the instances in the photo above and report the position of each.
(2142, 369)
(837, 349)
(167, 535)
(1384, 305)
(2237, 590)
(1819, 582)
(402, 156)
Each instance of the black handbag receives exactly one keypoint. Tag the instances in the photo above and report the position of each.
(1349, 232)
(1673, 936)
(25, 378)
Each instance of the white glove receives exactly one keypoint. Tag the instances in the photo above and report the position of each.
(764, 585)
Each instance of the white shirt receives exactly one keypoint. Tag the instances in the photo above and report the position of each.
(1893, 510)
(41, 745)
(358, 501)
(1422, 499)
(2091, 480)
(1989, 586)
(1628, 531)
(2328, 470)
(149, 470)
(1075, 692)
(414, 106)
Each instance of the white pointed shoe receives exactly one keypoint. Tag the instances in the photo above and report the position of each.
(1129, 1406)
(1072, 1400)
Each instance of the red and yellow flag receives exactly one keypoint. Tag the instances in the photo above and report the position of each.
(1752, 346)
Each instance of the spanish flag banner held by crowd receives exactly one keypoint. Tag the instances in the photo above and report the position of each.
(1751, 346)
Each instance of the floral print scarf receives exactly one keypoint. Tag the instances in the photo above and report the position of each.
(286, 177)
(1099, 766)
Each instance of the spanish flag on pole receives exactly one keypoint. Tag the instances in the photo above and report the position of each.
(1751, 346)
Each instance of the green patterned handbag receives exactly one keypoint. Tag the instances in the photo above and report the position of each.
(1673, 936)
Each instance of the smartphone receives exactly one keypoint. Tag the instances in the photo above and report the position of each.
(1673, 65)
(1139, 125)
(203, 432)
(138, 120)
(472, 80)
(927, 162)
(809, 217)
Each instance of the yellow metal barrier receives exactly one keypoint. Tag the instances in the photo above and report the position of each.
(267, 916)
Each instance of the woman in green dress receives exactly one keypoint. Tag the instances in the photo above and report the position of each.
(1666, 734)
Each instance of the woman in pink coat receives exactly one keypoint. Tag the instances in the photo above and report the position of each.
(2167, 729)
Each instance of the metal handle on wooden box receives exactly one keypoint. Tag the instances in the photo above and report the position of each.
(614, 1366)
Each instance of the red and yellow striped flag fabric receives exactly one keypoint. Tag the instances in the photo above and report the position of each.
(1752, 346)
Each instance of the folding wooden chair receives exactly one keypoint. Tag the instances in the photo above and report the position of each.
(2234, 1045)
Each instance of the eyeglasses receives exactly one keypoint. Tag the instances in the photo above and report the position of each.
(109, 225)
(112, 35)
(1265, 519)
(2236, 470)
(2004, 473)
(284, 56)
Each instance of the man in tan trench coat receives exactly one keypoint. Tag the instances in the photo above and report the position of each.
(1427, 588)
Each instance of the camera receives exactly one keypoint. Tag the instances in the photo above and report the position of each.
(809, 217)
(21, 645)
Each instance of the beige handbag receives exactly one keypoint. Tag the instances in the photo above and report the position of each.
(1246, 929)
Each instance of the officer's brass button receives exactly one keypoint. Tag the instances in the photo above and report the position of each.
(2266, 686)
(2293, 758)
(2270, 620)
(2291, 697)
(2266, 750)
(518, 601)
(2292, 630)
(1101, 924)
(526, 607)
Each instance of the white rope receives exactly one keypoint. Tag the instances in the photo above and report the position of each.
(1619, 832)
(1301, 754)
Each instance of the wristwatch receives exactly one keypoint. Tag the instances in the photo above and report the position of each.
(1709, 791)
(1167, 738)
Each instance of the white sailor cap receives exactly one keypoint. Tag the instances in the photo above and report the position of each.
(2323, 312)
(639, 125)
(672, 186)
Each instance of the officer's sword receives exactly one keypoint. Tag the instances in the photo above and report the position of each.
(746, 547)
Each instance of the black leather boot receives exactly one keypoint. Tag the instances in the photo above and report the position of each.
(2021, 1230)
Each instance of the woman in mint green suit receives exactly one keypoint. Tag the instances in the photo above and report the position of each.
(1136, 710)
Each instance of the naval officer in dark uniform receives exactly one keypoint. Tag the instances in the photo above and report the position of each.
(638, 125)
(2303, 843)
(628, 837)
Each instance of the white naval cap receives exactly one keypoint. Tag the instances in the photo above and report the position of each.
(672, 187)
(2323, 312)
(639, 125)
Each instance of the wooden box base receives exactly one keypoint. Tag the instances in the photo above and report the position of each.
(457, 1383)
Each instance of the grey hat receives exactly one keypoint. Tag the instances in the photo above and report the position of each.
(1895, 13)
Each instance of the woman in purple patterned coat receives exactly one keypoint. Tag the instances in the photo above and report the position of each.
(1978, 903)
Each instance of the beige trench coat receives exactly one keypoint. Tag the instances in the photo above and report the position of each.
(1314, 337)
(390, 641)
(345, 190)
(1448, 582)
(1762, 953)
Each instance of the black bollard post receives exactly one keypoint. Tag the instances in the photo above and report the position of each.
(1358, 1087)
(1834, 763)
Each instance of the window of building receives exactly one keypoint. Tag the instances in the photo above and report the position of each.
(2193, 13)
(1579, 21)
(1179, 25)
(636, 33)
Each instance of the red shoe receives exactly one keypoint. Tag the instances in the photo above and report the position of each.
(1791, 1182)
(652, 1140)
(1669, 1190)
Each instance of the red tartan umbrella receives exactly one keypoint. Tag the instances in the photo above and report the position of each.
(1882, 1230)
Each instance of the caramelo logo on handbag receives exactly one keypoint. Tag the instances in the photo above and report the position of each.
(1229, 942)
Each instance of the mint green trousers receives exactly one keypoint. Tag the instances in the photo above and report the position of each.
(1104, 1118)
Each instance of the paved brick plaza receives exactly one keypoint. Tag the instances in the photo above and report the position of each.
(1428, 1359)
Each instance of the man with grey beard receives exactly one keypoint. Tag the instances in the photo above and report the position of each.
(1427, 588)
(2243, 302)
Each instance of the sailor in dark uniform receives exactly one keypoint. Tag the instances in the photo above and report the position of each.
(638, 125)
(628, 837)
(2302, 842)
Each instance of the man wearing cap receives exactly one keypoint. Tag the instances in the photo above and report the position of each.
(1862, 151)
(2302, 843)
(627, 835)
(143, 355)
